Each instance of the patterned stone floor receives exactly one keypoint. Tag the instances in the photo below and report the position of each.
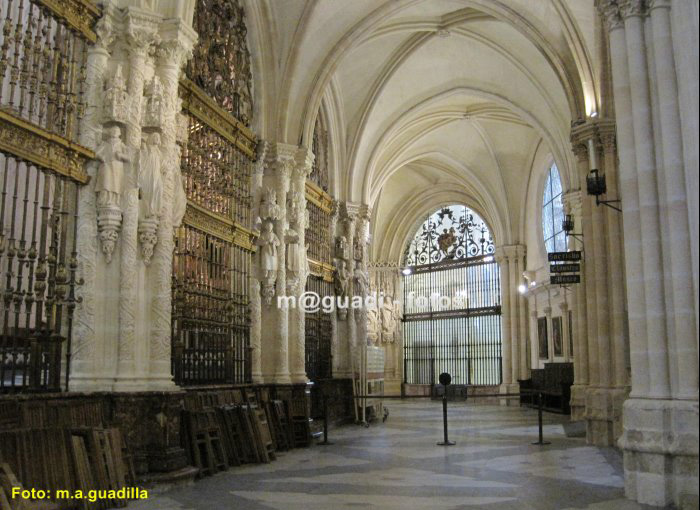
(398, 466)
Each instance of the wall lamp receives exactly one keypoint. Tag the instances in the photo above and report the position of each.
(595, 182)
(567, 226)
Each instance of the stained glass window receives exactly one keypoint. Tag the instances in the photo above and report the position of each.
(553, 212)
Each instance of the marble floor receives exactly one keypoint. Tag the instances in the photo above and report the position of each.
(397, 466)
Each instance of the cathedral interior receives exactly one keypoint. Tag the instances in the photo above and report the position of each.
(265, 254)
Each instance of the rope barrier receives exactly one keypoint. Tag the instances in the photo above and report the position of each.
(446, 441)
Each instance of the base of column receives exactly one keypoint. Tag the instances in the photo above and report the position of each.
(299, 378)
(509, 388)
(578, 402)
(139, 384)
(88, 384)
(660, 450)
(282, 378)
(603, 415)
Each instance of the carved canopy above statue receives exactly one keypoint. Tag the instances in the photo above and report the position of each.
(221, 61)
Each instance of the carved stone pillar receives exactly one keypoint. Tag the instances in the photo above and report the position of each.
(550, 344)
(506, 337)
(172, 52)
(256, 186)
(296, 281)
(660, 448)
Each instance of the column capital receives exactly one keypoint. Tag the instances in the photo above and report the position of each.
(564, 307)
(511, 251)
(548, 311)
(304, 161)
(631, 8)
(572, 202)
(610, 12)
(659, 4)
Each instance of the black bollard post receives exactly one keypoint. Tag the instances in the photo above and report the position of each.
(446, 441)
(541, 440)
(325, 441)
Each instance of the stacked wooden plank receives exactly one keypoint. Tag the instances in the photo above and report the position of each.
(54, 459)
(204, 441)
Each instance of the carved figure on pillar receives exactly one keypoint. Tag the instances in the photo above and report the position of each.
(388, 322)
(108, 187)
(154, 113)
(268, 243)
(150, 182)
(361, 281)
(342, 283)
(372, 324)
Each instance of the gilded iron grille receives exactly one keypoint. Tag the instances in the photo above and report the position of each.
(216, 173)
(43, 58)
(211, 332)
(42, 73)
(319, 361)
(210, 317)
(212, 261)
(221, 62)
(318, 234)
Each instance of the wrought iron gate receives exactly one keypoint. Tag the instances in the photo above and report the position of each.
(452, 302)
(43, 54)
(214, 246)
(319, 332)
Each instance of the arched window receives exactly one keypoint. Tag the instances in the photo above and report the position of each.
(553, 212)
(452, 233)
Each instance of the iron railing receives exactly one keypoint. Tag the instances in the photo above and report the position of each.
(43, 53)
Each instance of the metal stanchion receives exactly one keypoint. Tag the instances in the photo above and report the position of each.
(541, 440)
(445, 380)
(325, 441)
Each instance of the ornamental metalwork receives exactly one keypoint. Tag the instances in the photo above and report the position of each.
(43, 58)
(220, 65)
(214, 246)
(319, 333)
(452, 233)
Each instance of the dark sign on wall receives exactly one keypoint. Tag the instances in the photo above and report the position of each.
(564, 279)
(564, 256)
(564, 268)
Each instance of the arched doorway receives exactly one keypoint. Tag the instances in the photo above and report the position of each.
(452, 301)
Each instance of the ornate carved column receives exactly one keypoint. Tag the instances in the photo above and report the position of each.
(172, 52)
(255, 278)
(566, 341)
(346, 326)
(297, 266)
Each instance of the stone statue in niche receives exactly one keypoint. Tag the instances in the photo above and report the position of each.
(268, 243)
(112, 155)
(358, 249)
(388, 322)
(372, 324)
(397, 321)
(150, 182)
(341, 283)
(150, 176)
(269, 210)
(361, 281)
(295, 262)
(116, 99)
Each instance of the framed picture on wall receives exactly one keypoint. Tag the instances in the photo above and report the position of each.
(542, 337)
(557, 340)
(571, 334)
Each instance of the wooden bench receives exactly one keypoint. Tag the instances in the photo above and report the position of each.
(554, 380)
